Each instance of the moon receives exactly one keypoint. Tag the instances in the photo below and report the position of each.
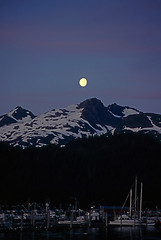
(83, 82)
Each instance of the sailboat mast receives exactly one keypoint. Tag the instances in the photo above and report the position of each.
(141, 199)
(135, 195)
(130, 202)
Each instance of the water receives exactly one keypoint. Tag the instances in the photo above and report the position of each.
(116, 233)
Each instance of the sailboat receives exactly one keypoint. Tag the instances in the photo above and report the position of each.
(129, 219)
(125, 220)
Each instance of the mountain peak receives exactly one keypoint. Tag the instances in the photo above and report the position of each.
(91, 102)
(59, 126)
(96, 113)
(18, 107)
(19, 113)
(122, 111)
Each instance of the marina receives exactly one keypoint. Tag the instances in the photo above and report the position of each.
(36, 217)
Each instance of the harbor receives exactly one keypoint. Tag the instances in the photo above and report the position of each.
(43, 217)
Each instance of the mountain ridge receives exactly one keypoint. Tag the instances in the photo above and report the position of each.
(58, 126)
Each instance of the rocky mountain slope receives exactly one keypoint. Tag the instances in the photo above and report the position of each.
(16, 116)
(21, 127)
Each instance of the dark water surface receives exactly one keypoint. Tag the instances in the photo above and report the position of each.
(116, 233)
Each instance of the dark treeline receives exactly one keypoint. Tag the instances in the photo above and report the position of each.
(97, 169)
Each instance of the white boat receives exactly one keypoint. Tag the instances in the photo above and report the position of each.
(38, 215)
(81, 220)
(125, 220)
(129, 220)
(148, 221)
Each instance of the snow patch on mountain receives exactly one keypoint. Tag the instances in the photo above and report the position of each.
(21, 128)
(145, 129)
(133, 129)
(58, 124)
(130, 111)
(155, 128)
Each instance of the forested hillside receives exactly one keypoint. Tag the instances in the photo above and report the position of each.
(95, 169)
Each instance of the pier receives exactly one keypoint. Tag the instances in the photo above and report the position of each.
(36, 217)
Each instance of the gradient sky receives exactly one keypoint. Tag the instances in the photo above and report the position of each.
(46, 46)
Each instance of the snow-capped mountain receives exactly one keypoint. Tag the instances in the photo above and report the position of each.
(91, 117)
(19, 114)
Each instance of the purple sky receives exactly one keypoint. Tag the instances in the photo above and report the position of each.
(46, 46)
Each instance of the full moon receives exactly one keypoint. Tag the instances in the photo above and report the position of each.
(83, 82)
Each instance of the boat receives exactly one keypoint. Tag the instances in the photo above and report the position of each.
(5, 223)
(134, 218)
(125, 220)
(79, 221)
